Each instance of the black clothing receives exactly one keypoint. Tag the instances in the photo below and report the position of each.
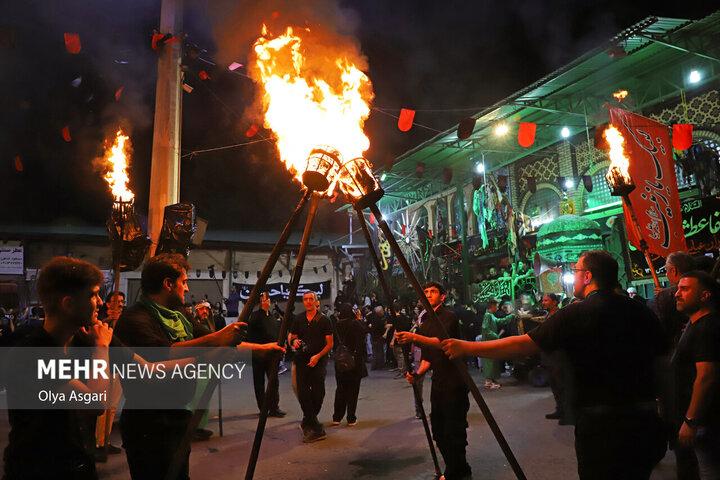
(612, 343)
(448, 396)
(263, 328)
(671, 320)
(151, 437)
(700, 342)
(376, 324)
(45, 443)
(311, 380)
(348, 383)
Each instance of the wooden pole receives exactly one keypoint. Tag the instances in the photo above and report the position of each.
(643, 244)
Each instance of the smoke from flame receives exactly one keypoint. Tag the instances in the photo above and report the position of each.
(116, 161)
(619, 163)
(313, 95)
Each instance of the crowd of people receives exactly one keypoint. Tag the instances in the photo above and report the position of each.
(632, 375)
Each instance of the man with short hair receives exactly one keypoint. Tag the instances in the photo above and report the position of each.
(311, 336)
(232, 303)
(376, 325)
(677, 264)
(153, 438)
(263, 328)
(618, 433)
(696, 364)
(449, 394)
(49, 444)
(555, 363)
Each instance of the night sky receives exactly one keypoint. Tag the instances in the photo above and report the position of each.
(445, 59)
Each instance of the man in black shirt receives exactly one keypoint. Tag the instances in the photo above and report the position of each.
(49, 444)
(449, 394)
(153, 438)
(614, 346)
(676, 265)
(311, 336)
(697, 366)
(263, 328)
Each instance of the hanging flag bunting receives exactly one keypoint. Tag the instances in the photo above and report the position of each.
(234, 66)
(187, 88)
(651, 166)
(403, 228)
(72, 43)
(420, 169)
(587, 182)
(682, 136)
(18, 163)
(465, 128)
(203, 75)
(66, 133)
(447, 175)
(372, 219)
(526, 134)
(502, 182)
(532, 184)
(477, 181)
(405, 121)
(118, 92)
(252, 131)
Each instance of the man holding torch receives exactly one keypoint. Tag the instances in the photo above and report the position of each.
(449, 394)
(152, 437)
(615, 346)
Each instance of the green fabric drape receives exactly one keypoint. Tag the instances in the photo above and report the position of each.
(178, 328)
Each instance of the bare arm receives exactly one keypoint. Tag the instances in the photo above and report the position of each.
(229, 336)
(328, 345)
(509, 347)
(707, 374)
(422, 341)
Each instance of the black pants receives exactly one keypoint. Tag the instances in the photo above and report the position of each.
(153, 440)
(311, 391)
(618, 445)
(449, 427)
(261, 369)
(346, 395)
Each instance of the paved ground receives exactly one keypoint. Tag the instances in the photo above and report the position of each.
(387, 443)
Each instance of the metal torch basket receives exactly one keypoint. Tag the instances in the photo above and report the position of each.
(358, 183)
(322, 167)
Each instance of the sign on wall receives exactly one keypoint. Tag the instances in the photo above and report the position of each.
(281, 291)
(11, 260)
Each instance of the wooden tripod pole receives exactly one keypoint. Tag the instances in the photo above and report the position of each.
(459, 362)
(406, 351)
(275, 363)
(249, 305)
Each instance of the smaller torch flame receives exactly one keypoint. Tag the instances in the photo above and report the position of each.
(117, 177)
(617, 174)
(620, 94)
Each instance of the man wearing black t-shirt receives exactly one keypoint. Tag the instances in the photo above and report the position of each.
(697, 367)
(614, 346)
(154, 438)
(49, 444)
(311, 336)
(263, 328)
(449, 394)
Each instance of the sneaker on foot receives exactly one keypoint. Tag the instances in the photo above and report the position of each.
(353, 423)
(282, 370)
(277, 413)
(556, 415)
(336, 422)
(314, 436)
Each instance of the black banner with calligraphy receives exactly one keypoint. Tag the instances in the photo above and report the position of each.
(281, 291)
(701, 224)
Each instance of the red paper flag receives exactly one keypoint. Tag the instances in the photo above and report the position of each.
(18, 163)
(656, 200)
(252, 131)
(403, 229)
(203, 75)
(465, 128)
(406, 119)
(526, 134)
(72, 43)
(372, 219)
(157, 40)
(682, 136)
(66, 133)
(117, 93)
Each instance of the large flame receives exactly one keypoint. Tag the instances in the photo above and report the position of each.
(311, 101)
(619, 163)
(116, 161)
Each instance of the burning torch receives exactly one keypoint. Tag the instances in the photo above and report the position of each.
(622, 184)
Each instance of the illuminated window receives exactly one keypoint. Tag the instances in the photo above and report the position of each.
(543, 206)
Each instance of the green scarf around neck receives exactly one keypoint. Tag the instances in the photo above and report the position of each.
(177, 327)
